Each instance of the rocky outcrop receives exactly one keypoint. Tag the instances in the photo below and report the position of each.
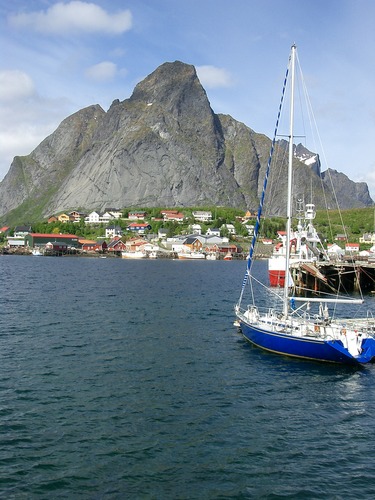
(350, 194)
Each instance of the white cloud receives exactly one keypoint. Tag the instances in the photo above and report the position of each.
(26, 118)
(75, 16)
(212, 77)
(101, 72)
(15, 84)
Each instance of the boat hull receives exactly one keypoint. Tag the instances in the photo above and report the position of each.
(191, 256)
(276, 277)
(133, 255)
(331, 351)
(276, 270)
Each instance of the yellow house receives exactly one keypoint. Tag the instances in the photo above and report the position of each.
(64, 218)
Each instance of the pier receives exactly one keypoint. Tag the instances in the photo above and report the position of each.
(344, 276)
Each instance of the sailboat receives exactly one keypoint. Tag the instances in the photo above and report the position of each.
(293, 328)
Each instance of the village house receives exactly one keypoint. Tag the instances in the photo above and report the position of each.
(137, 215)
(352, 247)
(77, 216)
(229, 227)
(99, 218)
(18, 240)
(116, 213)
(15, 241)
(87, 245)
(340, 237)
(229, 248)
(93, 246)
(190, 244)
(250, 229)
(335, 251)
(139, 227)
(116, 245)
(211, 231)
(368, 238)
(106, 217)
(202, 216)
(173, 215)
(56, 247)
(135, 245)
(64, 218)
(112, 231)
(196, 229)
(93, 218)
(22, 231)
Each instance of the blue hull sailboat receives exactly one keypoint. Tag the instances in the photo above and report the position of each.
(307, 330)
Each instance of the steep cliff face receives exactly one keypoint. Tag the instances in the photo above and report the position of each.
(351, 194)
(36, 176)
(164, 146)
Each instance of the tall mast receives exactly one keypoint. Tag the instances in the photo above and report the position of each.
(290, 175)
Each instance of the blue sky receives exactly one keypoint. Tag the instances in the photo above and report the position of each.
(58, 57)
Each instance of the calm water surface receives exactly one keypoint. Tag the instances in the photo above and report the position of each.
(127, 380)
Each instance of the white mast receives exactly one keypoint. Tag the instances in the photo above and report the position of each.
(290, 175)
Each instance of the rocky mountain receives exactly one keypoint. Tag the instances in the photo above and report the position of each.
(164, 146)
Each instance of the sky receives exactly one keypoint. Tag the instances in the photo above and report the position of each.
(58, 57)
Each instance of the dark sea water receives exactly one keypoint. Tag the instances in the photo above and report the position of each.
(127, 380)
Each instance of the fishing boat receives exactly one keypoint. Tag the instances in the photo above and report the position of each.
(187, 255)
(305, 245)
(137, 254)
(302, 327)
(36, 252)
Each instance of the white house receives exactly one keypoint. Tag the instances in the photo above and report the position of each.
(229, 227)
(16, 241)
(106, 217)
(335, 251)
(352, 247)
(367, 238)
(115, 212)
(211, 231)
(202, 216)
(196, 229)
(21, 231)
(250, 229)
(93, 218)
(112, 231)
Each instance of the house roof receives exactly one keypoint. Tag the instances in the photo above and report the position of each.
(53, 235)
(191, 239)
(86, 242)
(116, 242)
(139, 224)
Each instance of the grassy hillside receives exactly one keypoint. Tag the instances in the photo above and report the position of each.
(356, 222)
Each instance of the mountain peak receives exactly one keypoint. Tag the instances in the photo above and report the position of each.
(164, 146)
